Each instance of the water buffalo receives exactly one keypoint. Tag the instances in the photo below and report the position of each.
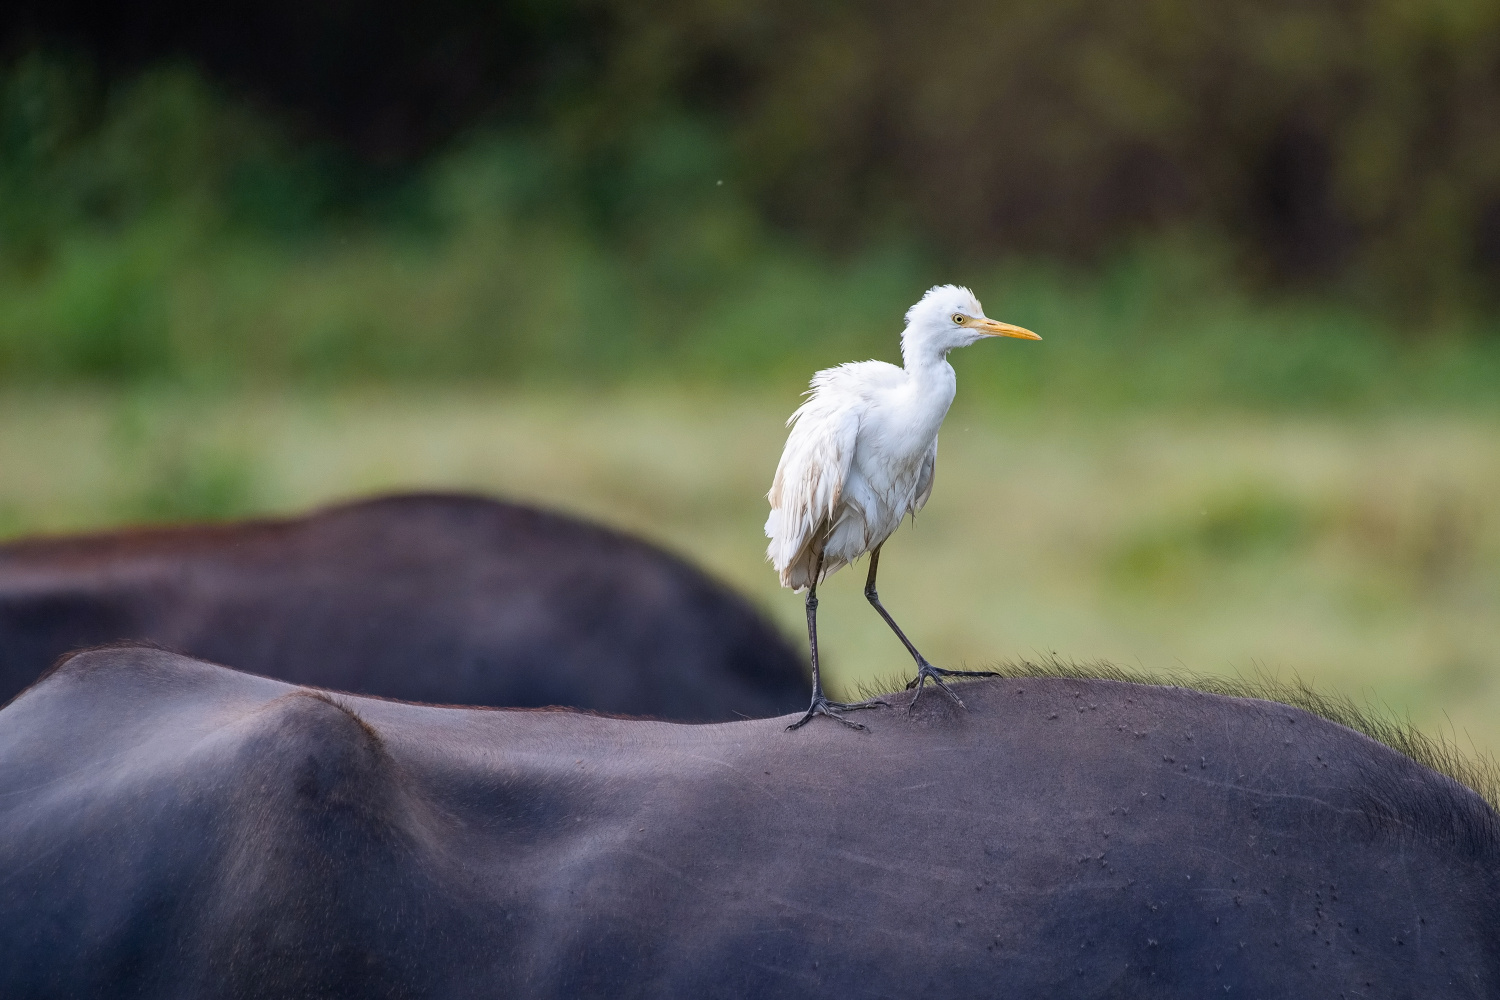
(448, 599)
(174, 829)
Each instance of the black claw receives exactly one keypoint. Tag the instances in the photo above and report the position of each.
(834, 710)
(927, 672)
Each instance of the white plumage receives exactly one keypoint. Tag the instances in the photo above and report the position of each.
(862, 452)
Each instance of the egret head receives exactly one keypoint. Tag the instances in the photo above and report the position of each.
(947, 317)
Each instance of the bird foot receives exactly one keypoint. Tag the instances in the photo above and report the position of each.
(835, 710)
(927, 672)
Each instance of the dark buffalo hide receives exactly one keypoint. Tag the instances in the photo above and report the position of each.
(449, 599)
(172, 829)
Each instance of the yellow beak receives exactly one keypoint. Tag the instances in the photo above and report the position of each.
(994, 328)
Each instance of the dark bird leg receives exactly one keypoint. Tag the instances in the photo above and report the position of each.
(821, 705)
(925, 670)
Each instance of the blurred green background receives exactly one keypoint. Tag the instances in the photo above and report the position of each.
(255, 258)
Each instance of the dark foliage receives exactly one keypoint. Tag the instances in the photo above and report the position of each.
(1336, 142)
(393, 80)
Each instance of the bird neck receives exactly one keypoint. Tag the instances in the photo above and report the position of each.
(924, 362)
(932, 385)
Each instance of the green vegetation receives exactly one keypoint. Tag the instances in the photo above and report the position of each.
(1184, 552)
(166, 234)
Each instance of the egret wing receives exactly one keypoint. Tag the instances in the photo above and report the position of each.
(814, 466)
(810, 478)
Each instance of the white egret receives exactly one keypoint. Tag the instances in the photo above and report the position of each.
(860, 457)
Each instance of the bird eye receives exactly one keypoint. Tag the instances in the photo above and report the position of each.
(959, 318)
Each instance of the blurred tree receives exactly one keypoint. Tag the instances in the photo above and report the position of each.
(1335, 142)
(392, 79)
(1332, 139)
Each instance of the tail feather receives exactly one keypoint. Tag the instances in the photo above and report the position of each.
(798, 574)
(793, 551)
